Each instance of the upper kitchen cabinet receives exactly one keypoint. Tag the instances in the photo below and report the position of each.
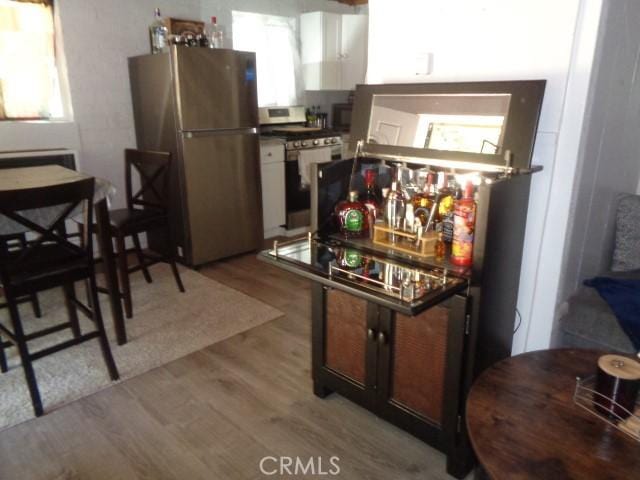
(334, 50)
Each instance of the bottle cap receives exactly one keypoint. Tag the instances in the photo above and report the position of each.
(214, 20)
(353, 195)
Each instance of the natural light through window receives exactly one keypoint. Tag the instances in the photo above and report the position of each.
(273, 39)
(29, 86)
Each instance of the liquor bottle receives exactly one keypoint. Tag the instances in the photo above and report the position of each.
(311, 117)
(423, 201)
(158, 34)
(440, 247)
(353, 217)
(445, 209)
(464, 223)
(215, 33)
(371, 197)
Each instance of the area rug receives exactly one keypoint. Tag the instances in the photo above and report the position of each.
(166, 325)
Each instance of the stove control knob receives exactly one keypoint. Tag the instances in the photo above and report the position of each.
(334, 140)
(296, 144)
(304, 144)
(316, 142)
(327, 141)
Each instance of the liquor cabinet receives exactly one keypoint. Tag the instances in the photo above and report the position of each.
(404, 335)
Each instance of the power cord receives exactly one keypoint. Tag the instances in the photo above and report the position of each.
(519, 321)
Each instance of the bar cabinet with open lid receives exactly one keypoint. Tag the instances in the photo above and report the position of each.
(404, 333)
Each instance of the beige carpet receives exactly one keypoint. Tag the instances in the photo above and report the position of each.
(166, 325)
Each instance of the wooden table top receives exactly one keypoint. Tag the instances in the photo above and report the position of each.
(40, 176)
(523, 423)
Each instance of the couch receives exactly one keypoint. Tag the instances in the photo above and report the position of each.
(589, 322)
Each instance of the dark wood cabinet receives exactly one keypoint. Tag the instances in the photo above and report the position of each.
(407, 369)
(404, 332)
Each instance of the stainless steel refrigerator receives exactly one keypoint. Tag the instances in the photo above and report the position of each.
(200, 104)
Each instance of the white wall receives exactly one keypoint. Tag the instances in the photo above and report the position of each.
(506, 40)
(98, 36)
(610, 153)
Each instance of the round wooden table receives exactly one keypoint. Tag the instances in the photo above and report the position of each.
(523, 423)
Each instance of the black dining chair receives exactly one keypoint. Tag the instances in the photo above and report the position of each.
(50, 260)
(147, 209)
(17, 241)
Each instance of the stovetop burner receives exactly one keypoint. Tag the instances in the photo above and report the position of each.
(299, 133)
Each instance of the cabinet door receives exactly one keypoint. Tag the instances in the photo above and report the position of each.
(332, 52)
(353, 50)
(345, 346)
(420, 369)
(273, 206)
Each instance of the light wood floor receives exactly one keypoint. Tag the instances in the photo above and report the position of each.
(215, 413)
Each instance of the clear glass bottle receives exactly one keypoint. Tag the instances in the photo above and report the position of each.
(158, 33)
(215, 34)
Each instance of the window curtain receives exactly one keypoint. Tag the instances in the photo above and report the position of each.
(273, 39)
(28, 75)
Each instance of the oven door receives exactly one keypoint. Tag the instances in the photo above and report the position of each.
(297, 195)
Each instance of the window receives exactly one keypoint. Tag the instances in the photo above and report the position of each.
(273, 39)
(29, 87)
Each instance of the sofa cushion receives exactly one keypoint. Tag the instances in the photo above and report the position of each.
(590, 323)
(626, 252)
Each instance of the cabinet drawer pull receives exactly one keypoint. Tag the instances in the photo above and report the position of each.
(382, 338)
(371, 334)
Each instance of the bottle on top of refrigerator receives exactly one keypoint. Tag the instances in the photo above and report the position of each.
(158, 33)
(215, 34)
(464, 220)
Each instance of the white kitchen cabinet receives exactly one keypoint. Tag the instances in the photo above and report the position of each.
(334, 50)
(273, 186)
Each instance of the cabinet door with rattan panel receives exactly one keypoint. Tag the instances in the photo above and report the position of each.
(418, 358)
(346, 335)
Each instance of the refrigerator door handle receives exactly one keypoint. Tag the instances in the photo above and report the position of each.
(219, 131)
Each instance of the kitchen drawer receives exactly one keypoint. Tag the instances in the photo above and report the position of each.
(271, 152)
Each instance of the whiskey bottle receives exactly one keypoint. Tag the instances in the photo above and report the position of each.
(445, 208)
(353, 217)
(158, 33)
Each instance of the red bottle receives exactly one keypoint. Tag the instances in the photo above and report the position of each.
(371, 198)
(464, 219)
(353, 217)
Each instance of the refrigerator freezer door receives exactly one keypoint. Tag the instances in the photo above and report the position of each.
(215, 88)
(222, 172)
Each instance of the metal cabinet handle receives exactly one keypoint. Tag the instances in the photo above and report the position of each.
(371, 334)
(382, 338)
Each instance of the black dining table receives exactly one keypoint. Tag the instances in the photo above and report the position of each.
(14, 179)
